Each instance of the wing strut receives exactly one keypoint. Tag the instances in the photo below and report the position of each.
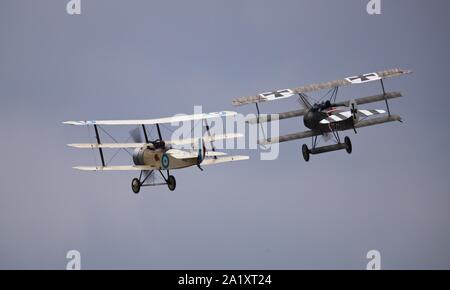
(213, 148)
(99, 148)
(159, 132)
(385, 98)
(258, 123)
(145, 134)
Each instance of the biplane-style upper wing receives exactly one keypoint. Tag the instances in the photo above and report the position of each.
(187, 141)
(297, 113)
(311, 133)
(180, 118)
(286, 93)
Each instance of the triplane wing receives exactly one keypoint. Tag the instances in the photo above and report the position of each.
(298, 113)
(286, 93)
(311, 133)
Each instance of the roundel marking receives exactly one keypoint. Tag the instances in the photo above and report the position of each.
(165, 161)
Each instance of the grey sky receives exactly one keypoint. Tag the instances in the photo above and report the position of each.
(145, 59)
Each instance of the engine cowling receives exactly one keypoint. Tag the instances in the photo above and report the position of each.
(139, 156)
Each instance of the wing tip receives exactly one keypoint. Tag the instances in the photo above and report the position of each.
(220, 160)
(236, 102)
(243, 157)
(79, 123)
(87, 168)
(405, 71)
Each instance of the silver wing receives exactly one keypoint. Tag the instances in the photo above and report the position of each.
(298, 113)
(286, 93)
(306, 134)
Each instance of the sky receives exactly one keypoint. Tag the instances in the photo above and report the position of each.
(151, 59)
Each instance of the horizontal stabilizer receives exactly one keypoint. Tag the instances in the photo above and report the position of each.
(219, 160)
(214, 153)
(180, 154)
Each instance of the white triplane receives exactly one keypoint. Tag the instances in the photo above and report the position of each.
(158, 155)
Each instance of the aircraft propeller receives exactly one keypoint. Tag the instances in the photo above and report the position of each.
(136, 135)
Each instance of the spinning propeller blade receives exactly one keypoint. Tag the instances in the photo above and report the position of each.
(353, 109)
(136, 135)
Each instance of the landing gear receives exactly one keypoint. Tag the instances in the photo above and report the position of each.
(135, 185)
(348, 145)
(171, 183)
(305, 152)
(144, 180)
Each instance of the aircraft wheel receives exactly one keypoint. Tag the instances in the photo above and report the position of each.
(348, 145)
(171, 183)
(135, 185)
(305, 152)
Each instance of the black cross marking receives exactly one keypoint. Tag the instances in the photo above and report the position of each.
(277, 94)
(363, 78)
